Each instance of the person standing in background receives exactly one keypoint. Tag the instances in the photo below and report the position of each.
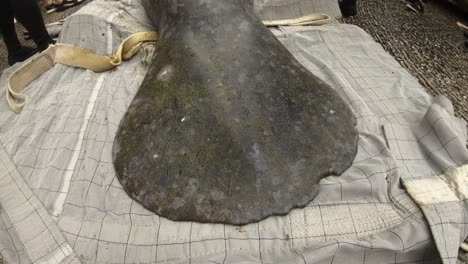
(348, 7)
(28, 13)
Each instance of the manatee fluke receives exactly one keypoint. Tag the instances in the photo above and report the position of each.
(227, 126)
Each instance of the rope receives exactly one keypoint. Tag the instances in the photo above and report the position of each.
(309, 20)
(464, 246)
(462, 26)
(71, 56)
(87, 59)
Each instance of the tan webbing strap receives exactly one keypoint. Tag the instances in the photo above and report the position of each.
(85, 58)
(72, 56)
(309, 20)
(462, 26)
(452, 186)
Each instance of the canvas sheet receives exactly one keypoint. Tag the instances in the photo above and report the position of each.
(288, 9)
(60, 201)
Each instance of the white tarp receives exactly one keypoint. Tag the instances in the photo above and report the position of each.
(61, 203)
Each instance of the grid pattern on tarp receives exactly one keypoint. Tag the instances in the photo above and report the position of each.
(287, 9)
(436, 145)
(28, 233)
(61, 146)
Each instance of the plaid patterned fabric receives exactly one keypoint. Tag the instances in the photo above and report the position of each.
(60, 148)
(437, 144)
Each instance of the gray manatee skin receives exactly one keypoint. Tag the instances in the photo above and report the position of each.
(227, 126)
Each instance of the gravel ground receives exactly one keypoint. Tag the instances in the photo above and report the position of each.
(430, 45)
(48, 18)
(463, 256)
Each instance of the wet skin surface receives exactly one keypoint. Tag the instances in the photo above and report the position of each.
(227, 126)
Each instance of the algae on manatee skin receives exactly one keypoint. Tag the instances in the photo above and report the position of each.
(224, 133)
(186, 95)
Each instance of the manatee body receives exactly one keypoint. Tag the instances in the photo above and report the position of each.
(227, 126)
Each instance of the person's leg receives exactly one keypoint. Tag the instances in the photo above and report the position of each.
(348, 7)
(16, 52)
(7, 26)
(28, 13)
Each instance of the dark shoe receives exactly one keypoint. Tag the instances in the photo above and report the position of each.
(45, 44)
(466, 43)
(348, 7)
(465, 33)
(66, 4)
(417, 7)
(20, 55)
